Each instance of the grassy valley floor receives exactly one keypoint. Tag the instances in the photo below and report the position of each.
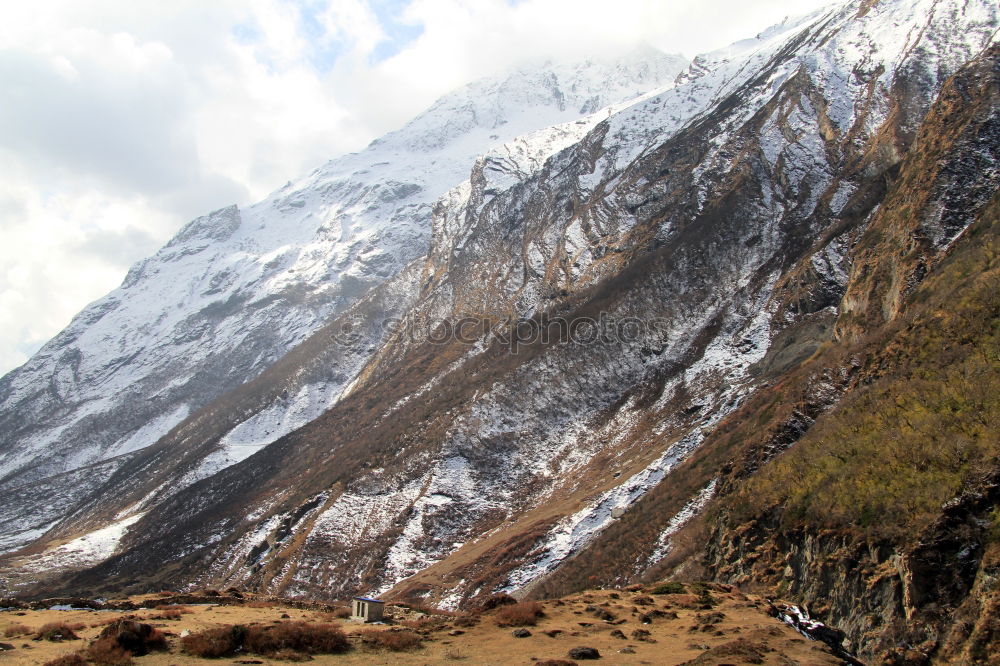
(716, 626)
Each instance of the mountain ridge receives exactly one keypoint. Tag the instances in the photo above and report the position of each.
(731, 218)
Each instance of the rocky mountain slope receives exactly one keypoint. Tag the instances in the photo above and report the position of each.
(236, 290)
(610, 342)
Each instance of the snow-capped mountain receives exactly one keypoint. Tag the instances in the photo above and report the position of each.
(237, 289)
(688, 254)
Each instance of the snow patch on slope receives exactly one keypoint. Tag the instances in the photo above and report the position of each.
(87, 550)
(694, 506)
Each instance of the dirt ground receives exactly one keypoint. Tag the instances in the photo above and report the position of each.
(735, 630)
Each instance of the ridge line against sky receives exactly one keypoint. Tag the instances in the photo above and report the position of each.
(121, 121)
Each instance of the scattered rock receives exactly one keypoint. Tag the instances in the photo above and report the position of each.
(604, 614)
(643, 600)
(552, 633)
(455, 632)
(520, 633)
(711, 618)
(285, 616)
(6, 646)
(617, 633)
(740, 651)
(556, 662)
(642, 635)
(584, 653)
(649, 616)
(627, 650)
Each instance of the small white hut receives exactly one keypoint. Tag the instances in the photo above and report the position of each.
(367, 610)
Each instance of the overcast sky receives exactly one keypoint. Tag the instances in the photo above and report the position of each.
(122, 119)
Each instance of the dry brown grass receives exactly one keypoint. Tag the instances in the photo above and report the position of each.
(259, 603)
(67, 660)
(17, 630)
(394, 641)
(173, 607)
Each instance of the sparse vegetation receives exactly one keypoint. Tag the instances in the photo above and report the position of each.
(258, 636)
(886, 459)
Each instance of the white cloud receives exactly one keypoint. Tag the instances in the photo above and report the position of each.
(119, 121)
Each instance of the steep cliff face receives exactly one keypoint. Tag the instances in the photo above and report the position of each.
(613, 326)
(885, 524)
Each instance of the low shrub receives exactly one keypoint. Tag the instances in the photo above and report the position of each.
(669, 588)
(498, 600)
(134, 637)
(56, 631)
(342, 613)
(216, 642)
(298, 637)
(284, 638)
(522, 614)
